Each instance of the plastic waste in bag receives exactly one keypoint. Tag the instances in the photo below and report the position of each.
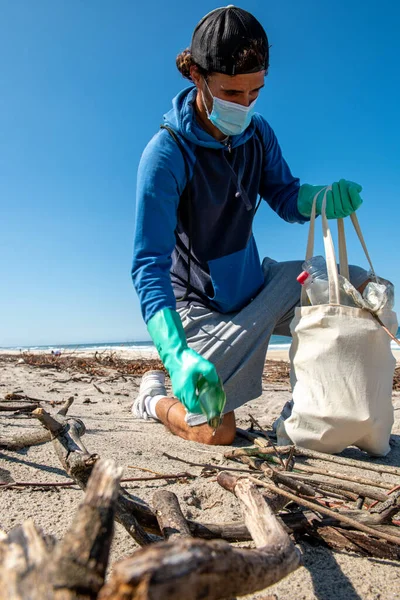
(377, 295)
(314, 278)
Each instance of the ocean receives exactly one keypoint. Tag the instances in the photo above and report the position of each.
(278, 342)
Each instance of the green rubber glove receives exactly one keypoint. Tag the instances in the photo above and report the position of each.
(343, 200)
(183, 364)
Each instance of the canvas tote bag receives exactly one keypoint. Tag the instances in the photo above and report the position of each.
(341, 366)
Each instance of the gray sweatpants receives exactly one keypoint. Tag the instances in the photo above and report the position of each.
(237, 343)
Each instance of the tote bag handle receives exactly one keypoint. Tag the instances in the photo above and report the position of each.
(329, 248)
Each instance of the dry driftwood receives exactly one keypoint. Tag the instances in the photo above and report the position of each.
(340, 460)
(314, 470)
(23, 554)
(300, 468)
(278, 476)
(20, 440)
(355, 488)
(31, 567)
(169, 515)
(16, 407)
(356, 541)
(310, 522)
(195, 569)
(395, 539)
(78, 463)
(330, 529)
(33, 438)
(371, 546)
(81, 559)
(136, 516)
(293, 481)
(388, 509)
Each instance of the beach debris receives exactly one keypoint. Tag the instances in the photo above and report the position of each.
(192, 569)
(97, 388)
(341, 460)
(109, 365)
(305, 490)
(170, 518)
(34, 566)
(32, 437)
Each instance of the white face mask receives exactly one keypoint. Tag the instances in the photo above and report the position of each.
(230, 118)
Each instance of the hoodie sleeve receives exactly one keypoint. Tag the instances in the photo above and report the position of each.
(160, 183)
(278, 186)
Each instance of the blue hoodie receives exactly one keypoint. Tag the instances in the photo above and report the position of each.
(225, 180)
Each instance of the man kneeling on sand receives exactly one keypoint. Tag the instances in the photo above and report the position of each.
(209, 303)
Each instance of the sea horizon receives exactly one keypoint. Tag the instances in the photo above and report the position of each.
(278, 342)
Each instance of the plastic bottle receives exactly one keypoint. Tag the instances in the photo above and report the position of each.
(212, 400)
(317, 288)
(316, 266)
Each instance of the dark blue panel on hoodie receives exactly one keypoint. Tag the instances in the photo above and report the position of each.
(225, 181)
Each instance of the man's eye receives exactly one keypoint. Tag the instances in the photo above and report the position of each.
(231, 93)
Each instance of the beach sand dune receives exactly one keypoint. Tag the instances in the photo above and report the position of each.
(103, 403)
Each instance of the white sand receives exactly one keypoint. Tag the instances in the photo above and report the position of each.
(112, 432)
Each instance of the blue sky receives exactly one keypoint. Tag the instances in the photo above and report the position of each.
(84, 86)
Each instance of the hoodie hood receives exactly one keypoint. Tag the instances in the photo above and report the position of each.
(182, 118)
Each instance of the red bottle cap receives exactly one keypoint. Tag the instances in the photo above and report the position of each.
(303, 277)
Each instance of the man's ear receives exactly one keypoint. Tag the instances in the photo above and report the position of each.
(196, 77)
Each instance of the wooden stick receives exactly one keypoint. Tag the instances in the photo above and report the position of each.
(355, 488)
(19, 484)
(69, 483)
(66, 406)
(75, 569)
(388, 509)
(228, 481)
(330, 513)
(372, 546)
(53, 425)
(80, 559)
(15, 407)
(259, 441)
(98, 388)
(290, 460)
(194, 569)
(289, 479)
(302, 468)
(277, 476)
(393, 489)
(340, 460)
(271, 443)
(22, 396)
(335, 539)
(78, 463)
(169, 515)
(355, 541)
(24, 552)
(336, 475)
(25, 439)
(203, 465)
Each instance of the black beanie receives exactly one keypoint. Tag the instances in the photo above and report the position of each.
(222, 34)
